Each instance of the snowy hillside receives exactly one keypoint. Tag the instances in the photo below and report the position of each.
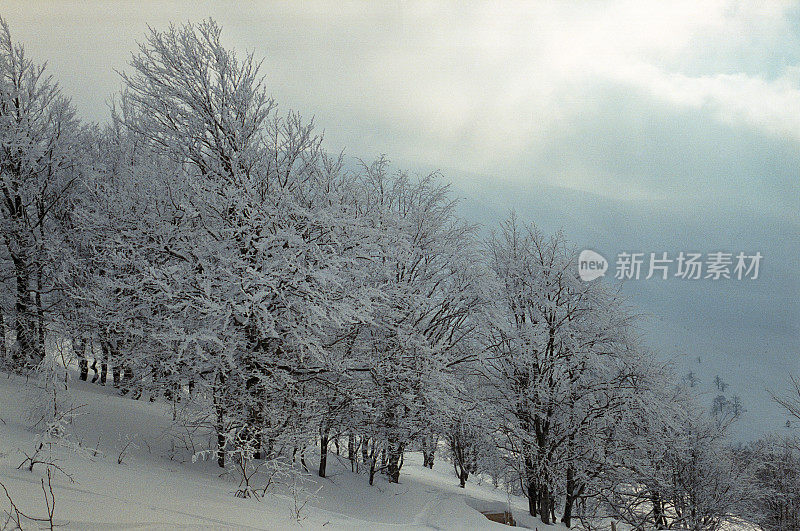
(142, 476)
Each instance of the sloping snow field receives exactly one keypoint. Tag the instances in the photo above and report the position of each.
(134, 471)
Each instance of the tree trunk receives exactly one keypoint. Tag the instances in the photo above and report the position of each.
(220, 420)
(254, 426)
(459, 458)
(394, 454)
(40, 312)
(106, 353)
(303, 458)
(323, 449)
(429, 444)
(26, 354)
(79, 347)
(127, 380)
(372, 461)
(530, 477)
(462, 477)
(3, 351)
(533, 497)
(544, 504)
(658, 516)
(566, 519)
(351, 451)
(364, 449)
(220, 443)
(372, 471)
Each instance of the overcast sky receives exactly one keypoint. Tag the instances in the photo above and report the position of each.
(634, 126)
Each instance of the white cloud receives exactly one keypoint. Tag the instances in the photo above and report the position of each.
(471, 86)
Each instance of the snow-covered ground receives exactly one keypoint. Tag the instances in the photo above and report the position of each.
(143, 477)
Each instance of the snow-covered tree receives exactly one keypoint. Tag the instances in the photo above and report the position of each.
(775, 463)
(560, 357)
(678, 471)
(255, 236)
(419, 328)
(40, 159)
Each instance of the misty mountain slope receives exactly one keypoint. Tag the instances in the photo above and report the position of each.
(157, 486)
(741, 331)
